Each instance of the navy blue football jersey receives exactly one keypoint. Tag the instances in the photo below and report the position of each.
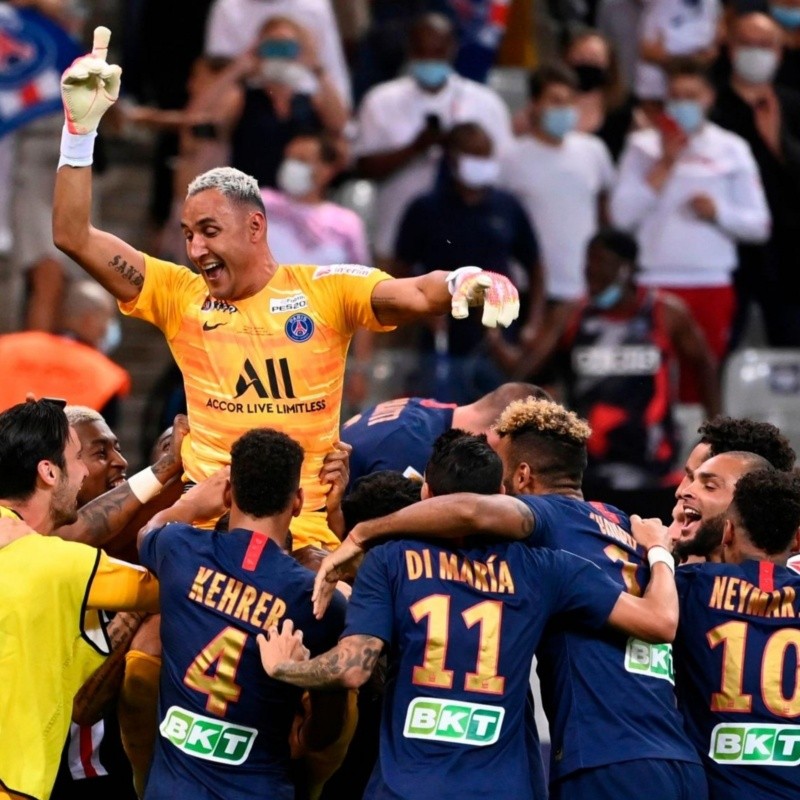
(461, 627)
(737, 659)
(608, 697)
(223, 723)
(398, 435)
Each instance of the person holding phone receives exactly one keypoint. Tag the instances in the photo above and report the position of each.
(691, 191)
(269, 95)
(402, 125)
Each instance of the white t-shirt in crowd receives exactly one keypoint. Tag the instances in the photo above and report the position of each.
(320, 233)
(391, 116)
(560, 186)
(684, 28)
(233, 26)
(676, 247)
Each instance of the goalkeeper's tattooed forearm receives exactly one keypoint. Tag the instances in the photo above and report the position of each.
(129, 273)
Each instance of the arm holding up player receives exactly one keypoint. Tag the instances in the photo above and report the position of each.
(89, 87)
(653, 617)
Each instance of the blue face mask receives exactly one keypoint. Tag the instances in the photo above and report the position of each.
(112, 338)
(786, 16)
(430, 74)
(689, 114)
(559, 121)
(609, 297)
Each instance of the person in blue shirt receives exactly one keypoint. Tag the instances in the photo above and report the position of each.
(461, 625)
(399, 434)
(738, 644)
(224, 725)
(466, 219)
(609, 699)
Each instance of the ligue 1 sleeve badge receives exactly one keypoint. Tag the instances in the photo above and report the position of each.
(299, 327)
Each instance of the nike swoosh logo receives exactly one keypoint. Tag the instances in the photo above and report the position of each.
(207, 327)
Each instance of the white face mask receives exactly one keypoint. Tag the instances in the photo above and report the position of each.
(755, 64)
(295, 177)
(290, 73)
(478, 172)
(112, 337)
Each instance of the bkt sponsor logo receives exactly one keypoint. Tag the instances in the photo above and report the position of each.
(207, 738)
(448, 721)
(653, 660)
(777, 745)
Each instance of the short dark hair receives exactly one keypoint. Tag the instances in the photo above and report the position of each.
(328, 151)
(687, 67)
(461, 462)
(29, 433)
(767, 502)
(265, 471)
(618, 242)
(547, 75)
(724, 434)
(378, 494)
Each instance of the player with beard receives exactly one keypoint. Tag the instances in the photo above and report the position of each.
(722, 435)
(605, 744)
(49, 646)
(705, 501)
(737, 647)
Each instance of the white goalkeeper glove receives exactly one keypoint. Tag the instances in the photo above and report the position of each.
(472, 286)
(89, 87)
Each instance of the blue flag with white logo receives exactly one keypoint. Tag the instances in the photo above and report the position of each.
(34, 51)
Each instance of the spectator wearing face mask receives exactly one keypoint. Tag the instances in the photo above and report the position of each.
(767, 116)
(691, 191)
(605, 107)
(671, 29)
(272, 93)
(615, 359)
(306, 228)
(561, 177)
(786, 14)
(467, 220)
(402, 125)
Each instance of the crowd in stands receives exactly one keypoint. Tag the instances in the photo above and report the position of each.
(330, 180)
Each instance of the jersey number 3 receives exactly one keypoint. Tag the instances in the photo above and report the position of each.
(489, 615)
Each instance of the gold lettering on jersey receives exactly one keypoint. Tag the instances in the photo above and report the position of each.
(611, 529)
(493, 576)
(729, 593)
(236, 599)
(200, 580)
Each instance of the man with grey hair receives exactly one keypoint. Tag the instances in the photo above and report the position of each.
(259, 343)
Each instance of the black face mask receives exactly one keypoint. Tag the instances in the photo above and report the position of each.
(591, 77)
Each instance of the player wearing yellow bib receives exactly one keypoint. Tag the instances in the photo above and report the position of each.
(258, 343)
(47, 647)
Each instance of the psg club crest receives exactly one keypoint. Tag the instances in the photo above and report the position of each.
(299, 327)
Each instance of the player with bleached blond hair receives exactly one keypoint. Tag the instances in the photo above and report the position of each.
(608, 697)
(258, 343)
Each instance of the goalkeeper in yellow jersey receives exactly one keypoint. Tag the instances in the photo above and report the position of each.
(258, 343)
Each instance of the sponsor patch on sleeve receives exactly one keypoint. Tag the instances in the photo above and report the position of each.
(356, 270)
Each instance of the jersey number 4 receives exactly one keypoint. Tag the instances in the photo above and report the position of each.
(733, 637)
(223, 653)
(489, 615)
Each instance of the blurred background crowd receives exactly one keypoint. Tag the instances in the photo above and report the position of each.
(632, 165)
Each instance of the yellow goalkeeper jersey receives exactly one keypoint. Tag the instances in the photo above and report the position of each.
(274, 360)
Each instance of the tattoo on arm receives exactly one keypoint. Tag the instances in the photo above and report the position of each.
(103, 518)
(328, 671)
(128, 272)
(526, 518)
